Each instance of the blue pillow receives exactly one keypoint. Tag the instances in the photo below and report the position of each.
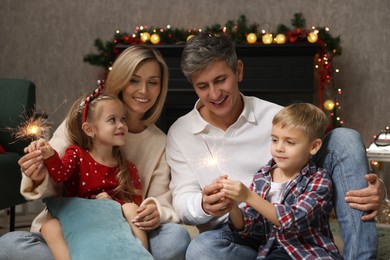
(96, 229)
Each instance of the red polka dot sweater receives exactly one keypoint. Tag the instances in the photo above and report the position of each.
(84, 177)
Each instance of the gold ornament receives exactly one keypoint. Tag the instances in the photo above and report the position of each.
(251, 38)
(267, 38)
(189, 37)
(145, 36)
(312, 37)
(329, 105)
(280, 38)
(155, 38)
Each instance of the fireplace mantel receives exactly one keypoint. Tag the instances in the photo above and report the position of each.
(278, 73)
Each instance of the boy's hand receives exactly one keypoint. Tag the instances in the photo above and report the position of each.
(235, 190)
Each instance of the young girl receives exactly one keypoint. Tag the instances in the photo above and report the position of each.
(93, 166)
(139, 77)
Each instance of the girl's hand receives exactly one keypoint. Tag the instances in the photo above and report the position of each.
(102, 196)
(43, 145)
(148, 217)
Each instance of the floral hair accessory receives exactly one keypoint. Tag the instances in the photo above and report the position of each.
(91, 97)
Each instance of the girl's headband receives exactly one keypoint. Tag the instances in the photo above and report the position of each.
(91, 97)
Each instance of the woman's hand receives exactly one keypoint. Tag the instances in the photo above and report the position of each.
(369, 198)
(148, 217)
(32, 166)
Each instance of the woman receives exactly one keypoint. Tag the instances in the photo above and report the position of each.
(139, 77)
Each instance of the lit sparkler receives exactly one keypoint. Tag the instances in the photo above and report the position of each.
(32, 127)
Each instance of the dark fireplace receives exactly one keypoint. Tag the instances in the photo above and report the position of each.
(278, 73)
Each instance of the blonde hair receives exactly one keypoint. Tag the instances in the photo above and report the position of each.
(305, 116)
(123, 69)
(74, 122)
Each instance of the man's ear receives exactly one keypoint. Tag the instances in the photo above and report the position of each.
(240, 70)
(88, 129)
(315, 146)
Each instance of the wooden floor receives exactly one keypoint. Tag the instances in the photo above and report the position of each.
(22, 221)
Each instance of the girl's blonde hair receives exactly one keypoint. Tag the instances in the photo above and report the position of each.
(74, 122)
(123, 69)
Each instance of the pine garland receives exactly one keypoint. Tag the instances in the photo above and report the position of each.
(236, 29)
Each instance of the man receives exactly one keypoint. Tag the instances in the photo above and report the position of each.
(228, 133)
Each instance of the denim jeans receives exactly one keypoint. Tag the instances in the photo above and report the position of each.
(221, 244)
(169, 241)
(343, 155)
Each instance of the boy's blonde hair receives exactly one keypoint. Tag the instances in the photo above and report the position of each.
(305, 116)
(77, 136)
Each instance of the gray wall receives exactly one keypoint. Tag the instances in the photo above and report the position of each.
(45, 41)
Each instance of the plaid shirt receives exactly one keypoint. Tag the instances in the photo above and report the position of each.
(303, 214)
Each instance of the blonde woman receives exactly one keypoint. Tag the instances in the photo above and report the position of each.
(139, 77)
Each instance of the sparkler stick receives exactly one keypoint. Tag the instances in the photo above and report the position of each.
(212, 161)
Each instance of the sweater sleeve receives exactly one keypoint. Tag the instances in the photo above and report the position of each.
(159, 192)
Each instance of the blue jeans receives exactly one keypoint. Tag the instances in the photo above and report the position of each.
(220, 244)
(169, 241)
(344, 157)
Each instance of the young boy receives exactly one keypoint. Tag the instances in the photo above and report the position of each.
(290, 199)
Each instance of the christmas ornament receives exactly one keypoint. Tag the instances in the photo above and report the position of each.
(267, 38)
(155, 38)
(189, 37)
(251, 38)
(329, 105)
(145, 36)
(383, 138)
(280, 38)
(312, 37)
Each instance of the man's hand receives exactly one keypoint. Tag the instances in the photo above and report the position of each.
(369, 198)
(214, 201)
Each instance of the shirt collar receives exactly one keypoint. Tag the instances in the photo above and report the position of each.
(199, 124)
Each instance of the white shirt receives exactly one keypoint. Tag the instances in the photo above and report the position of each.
(241, 150)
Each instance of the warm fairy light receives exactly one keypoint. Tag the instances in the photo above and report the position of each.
(117, 31)
(168, 27)
(224, 29)
(337, 70)
(263, 31)
(327, 29)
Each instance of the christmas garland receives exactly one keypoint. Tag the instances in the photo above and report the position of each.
(240, 31)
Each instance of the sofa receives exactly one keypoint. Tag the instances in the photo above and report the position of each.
(17, 99)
